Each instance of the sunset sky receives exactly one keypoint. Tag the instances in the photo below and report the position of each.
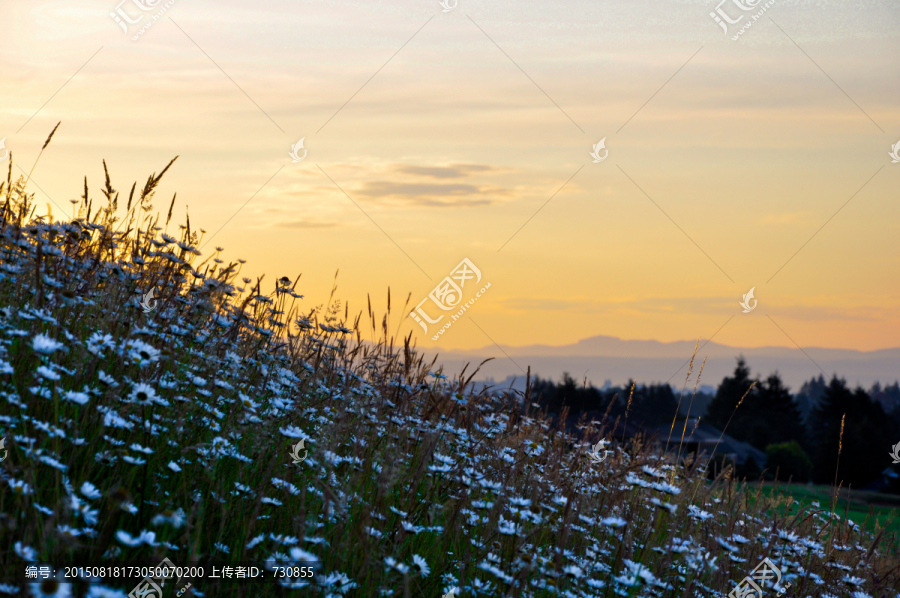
(725, 157)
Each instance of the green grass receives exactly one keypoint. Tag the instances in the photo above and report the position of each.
(867, 509)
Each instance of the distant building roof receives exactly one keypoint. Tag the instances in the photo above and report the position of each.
(707, 439)
(701, 438)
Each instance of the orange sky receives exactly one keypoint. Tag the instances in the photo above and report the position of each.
(745, 153)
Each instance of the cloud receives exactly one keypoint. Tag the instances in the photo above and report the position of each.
(445, 172)
(433, 194)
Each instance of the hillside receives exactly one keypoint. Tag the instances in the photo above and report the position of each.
(147, 428)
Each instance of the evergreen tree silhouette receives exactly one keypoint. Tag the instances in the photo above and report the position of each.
(778, 414)
(809, 396)
(727, 396)
(866, 440)
(767, 416)
(652, 405)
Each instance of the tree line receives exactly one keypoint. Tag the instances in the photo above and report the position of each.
(800, 433)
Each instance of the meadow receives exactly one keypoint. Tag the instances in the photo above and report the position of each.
(868, 509)
(138, 433)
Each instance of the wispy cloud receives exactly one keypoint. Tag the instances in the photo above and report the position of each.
(453, 171)
(433, 194)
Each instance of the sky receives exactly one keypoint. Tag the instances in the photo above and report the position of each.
(730, 161)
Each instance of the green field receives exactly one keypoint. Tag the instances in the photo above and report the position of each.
(863, 508)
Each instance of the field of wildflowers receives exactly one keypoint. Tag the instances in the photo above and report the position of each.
(136, 434)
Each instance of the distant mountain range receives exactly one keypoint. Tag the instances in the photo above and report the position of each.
(607, 358)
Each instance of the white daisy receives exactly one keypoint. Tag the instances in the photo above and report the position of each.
(142, 393)
(45, 345)
(19, 486)
(298, 554)
(293, 432)
(106, 379)
(98, 342)
(144, 537)
(90, 491)
(141, 353)
(76, 397)
(104, 592)
(698, 513)
(174, 518)
(256, 540)
(422, 565)
(393, 564)
(47, 373)
(26, 553)
(51, 588)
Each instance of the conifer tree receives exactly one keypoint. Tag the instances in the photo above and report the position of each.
(866, 440)
(767, 416)
(731, 390)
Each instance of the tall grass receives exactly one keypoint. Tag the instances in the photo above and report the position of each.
(139, 436)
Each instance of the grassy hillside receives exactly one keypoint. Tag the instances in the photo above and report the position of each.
(138, 435)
